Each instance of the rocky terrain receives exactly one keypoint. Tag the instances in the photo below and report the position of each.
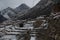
(42, 22)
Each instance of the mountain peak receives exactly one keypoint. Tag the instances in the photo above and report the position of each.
(22, 7)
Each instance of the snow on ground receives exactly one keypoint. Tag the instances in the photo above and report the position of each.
(32, 38)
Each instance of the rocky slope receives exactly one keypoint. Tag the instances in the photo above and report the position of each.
(42, 8)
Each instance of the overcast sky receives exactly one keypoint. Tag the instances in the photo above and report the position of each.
(15, 3)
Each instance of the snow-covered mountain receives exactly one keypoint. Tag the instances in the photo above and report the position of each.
(8, 13)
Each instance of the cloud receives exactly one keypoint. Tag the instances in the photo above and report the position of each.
(11, 3)
(2, 6)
